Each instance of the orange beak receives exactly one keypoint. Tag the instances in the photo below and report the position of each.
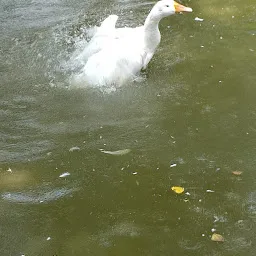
(181, 8)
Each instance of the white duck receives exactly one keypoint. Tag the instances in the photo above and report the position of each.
(116, 55)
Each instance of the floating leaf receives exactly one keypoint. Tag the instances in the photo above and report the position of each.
(237, 173)
(178, 190)
(117, 153)
(217, 237)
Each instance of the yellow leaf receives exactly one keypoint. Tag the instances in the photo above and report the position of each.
(217, 238)
(237, 173)
(178, 190)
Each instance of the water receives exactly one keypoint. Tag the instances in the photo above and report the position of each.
(194, 110)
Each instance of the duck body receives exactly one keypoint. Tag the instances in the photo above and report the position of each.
(115, 55)
(113, 65)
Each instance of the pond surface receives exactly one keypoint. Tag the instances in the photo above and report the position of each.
(89, 171)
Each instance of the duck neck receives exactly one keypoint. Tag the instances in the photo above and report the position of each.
(152, 34)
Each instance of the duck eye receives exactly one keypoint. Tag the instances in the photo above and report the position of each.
(167, 5)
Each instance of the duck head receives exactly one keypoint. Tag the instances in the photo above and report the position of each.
(166, 8)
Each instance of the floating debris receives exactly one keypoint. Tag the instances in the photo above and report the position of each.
(217, 238)
(177, 190)
(198, 19)
(120, 152)
(74, 149)
(219, 219)
(48, 238)
(210, 191)
(9, 170)
(237, 173)
(65, 174)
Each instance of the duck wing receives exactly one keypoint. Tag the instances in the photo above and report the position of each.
(103, 37)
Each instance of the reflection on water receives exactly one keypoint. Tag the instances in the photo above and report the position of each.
(190, 122)
(34, 197)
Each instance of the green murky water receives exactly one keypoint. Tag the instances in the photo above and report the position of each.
(190, 123)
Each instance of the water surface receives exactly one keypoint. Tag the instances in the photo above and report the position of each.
(191, 122)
